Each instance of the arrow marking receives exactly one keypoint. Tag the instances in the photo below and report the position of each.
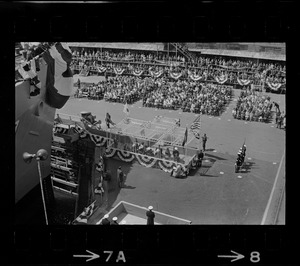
(235, 257)
(90, 257)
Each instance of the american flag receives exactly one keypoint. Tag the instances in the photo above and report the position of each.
(195, 127)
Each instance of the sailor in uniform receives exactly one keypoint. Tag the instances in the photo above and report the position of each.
(105, 220)
(150, 216)
(114, 221)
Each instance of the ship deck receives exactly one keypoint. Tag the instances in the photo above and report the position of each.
(214, 194)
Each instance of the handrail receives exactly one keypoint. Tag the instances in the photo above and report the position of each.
(64, 182)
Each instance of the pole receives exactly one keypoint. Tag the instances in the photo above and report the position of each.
(168, 53)
(42, 190)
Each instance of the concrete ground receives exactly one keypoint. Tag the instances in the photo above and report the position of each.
(214, 194)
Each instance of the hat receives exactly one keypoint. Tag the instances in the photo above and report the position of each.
(115, 218)
(150, 208)
(106, 216)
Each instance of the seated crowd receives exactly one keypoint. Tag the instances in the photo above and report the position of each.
(123, 89)
(253, 107)
(190, 96)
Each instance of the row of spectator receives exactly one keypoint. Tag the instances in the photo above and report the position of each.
(208, 74)
(199, 61)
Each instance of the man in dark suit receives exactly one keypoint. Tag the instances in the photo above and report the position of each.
(120, 176)
(204, 140)
(105, 220)
(150, 216)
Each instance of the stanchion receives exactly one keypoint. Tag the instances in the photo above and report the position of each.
(41, 155)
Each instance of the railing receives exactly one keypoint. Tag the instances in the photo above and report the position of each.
(166, 62)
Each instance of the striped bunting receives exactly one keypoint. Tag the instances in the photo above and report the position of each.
(195, 127)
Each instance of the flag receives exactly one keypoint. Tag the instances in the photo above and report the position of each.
(195, 127)
(126, 109)
(185, 136)
(59, 80)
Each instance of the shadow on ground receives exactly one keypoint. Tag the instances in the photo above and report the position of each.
(214, 156)
(247, 166)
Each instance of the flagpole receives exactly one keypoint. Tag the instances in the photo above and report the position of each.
(186, 140)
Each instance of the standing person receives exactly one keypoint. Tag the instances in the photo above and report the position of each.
(105, 220)
(114, 221)
(276, 106)
(278, 118)
(120, 176)
(150, 216)
(204, 140)
(200, 158)
(108, 120)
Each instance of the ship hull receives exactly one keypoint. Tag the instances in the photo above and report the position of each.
(33, 131)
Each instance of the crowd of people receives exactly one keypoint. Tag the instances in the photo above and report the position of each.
(133, 56)
(246, 69)
(251, 106)
(192, 97)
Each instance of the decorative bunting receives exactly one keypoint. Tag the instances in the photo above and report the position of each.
(145, 160)
(221, 79)
(137, 72)
(119, 71)
(125, 156)
(101, 69)
(274, 85)
(98, 140)
(175, 75)
(195, 77)
(166, 166)
(156, 74)
(110, 152)
(81, 131)
(243, 82)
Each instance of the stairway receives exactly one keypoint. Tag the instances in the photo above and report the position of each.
(184, 50)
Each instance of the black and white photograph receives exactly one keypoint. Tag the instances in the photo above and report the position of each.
(149, 133)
